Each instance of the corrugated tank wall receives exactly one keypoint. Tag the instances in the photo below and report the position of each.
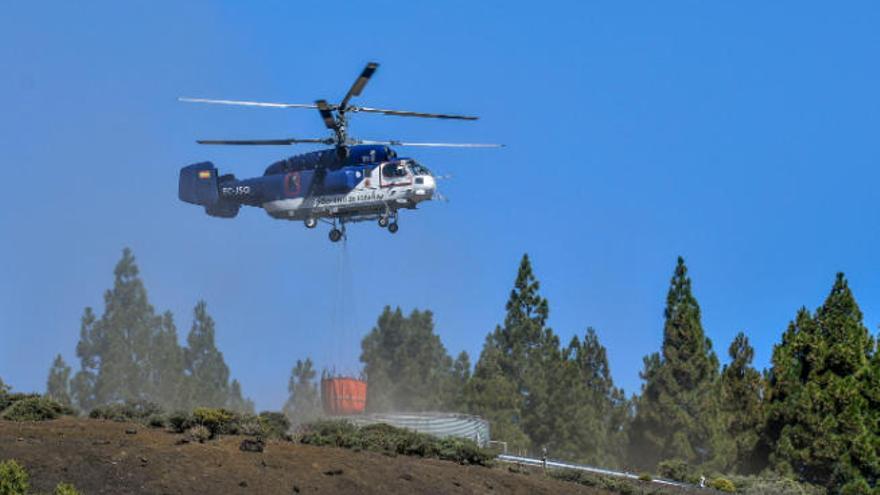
(437, 424)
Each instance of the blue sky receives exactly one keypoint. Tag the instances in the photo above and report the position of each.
(740, 135)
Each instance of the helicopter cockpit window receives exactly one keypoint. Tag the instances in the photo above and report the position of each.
(419, 169)
(392, 170)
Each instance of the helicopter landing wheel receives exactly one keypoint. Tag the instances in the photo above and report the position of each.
(335, 235)
(310, 223)
(383, 221)
(392, 227)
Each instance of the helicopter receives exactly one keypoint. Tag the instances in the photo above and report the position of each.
(354, 180)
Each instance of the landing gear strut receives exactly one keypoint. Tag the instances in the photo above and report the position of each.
(337, 233)
(389, 220)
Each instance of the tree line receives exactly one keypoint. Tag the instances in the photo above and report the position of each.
(813, 415)
(132, 354)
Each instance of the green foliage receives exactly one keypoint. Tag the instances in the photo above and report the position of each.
(170, 383)
(217, 421)
(7, 399)
(180, 421)
(276, 424)
(615, 485)
(461, 374)
(13, 479)
(645, 477)
(677, 415)
(58, 383)
(677, 470)
(208, 373)
(537, 395)
(132, 353)
(742, 392)
(329, 433)
(722, 485)
(116, 349)
(511, 385)
(134, 411)
(590, 413)
(823, 399)
(407, 365)
(493, 394)
(304, 402)
(236, 401)
(388, 439)
(4, 388)
(250, 425)
(35, 408)
(460, 450)
(157, 421)
(65, 489)
(751, 485)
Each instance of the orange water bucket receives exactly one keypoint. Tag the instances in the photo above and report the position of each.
(343, 396)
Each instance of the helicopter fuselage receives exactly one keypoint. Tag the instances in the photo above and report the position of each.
(371, 182)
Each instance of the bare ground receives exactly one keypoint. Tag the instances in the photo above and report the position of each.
(105, 457)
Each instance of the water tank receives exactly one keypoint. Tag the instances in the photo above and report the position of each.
(439, 424)
(343, 396)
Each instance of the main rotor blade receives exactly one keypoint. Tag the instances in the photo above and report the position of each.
(359, 83)
(431, 145)
(407, 113)
(326, 114)
(248, 103)
(261, 142)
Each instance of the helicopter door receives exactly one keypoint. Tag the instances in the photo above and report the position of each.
(395, 174)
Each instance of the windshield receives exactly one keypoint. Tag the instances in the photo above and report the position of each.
(419, 169)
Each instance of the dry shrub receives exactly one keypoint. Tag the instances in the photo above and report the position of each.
(198, 433)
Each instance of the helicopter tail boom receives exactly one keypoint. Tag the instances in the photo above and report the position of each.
(199, 185)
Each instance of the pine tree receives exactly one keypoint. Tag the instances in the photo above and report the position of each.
(304, 402)
(406, 364)
(132, 354)
(742, 392)
(588, 424)
(823, 407)
(207, 371)
(461, 374)
(493, 394)
(236, 401)
(677, 414)
(168, 381)
(518, 368)
(115, 349)
(58, 383)
(82, 387)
